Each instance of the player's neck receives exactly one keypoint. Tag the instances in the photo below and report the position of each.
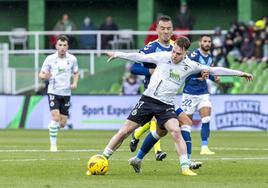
(164, 43)
(61, 55)
(203, 52)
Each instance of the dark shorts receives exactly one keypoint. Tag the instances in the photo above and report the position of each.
(61, 103)
(148, 107)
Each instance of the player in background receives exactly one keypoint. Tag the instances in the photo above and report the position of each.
(162, 43)
(196, 96)
(58, 69)
(159, 98)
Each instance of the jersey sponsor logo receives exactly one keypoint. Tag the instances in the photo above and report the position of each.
(174, 75)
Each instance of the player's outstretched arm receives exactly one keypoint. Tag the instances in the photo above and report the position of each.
(247, 76)
(230, 72)
(136, 57)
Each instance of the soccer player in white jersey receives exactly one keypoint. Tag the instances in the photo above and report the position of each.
(59, 69)
(159, 98)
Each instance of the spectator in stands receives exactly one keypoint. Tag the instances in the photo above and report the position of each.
(265, 50)
(184, 20)
(130, 86)
(64, 24)
(257, 49)
(110, 25)
(218, 53)
(228, 43)
(247, 49)
(88, 41)
(218, 35)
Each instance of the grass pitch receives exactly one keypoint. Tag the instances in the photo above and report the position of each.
(241, 160)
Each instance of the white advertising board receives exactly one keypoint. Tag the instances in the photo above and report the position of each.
(229, 112)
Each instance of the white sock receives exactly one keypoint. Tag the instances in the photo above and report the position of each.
(184, 162)
(107, 152)
(53, 128)
(204, 147)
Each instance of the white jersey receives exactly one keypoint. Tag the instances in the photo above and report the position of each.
(168, 77)
(61, 70)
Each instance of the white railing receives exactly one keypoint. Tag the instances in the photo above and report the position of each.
(36, 50)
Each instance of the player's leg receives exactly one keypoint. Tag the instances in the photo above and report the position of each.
(136, 136)
(140, 115)
(204, 109)
(172, 126)
(186, 126)
(150, 140)
(64, 110)
(205, 130)
(159, 154)
(115, 142)
(189, 105)
(54, 124)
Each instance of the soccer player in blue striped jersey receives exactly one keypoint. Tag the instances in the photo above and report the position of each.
(163, 43)
(196, 96)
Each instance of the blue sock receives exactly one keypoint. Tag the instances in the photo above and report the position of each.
(205, 131)
(146, 146)
(188, 140)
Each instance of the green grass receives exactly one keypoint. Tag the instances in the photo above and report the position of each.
(241, 160)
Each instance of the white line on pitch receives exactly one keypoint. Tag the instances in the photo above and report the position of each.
(170, 159)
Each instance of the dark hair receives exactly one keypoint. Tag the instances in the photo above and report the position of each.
(205, 35)
(183, 42)
(164, 18)
(63, 38)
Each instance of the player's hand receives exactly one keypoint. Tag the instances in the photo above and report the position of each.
(205, 74)
(73, 85)
(151, 71)
(247, 76)
(110, 55)
(46, 75)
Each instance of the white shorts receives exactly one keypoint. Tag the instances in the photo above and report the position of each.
(191, 103)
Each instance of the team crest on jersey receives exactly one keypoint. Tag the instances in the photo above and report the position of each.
(51, 104)
(134, 112)
(186, 67)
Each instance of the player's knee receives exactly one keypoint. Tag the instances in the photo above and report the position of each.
(176, 133)
(160, 132)
(156, 135)
(186, 121)
(63, 123)
(186, 128)
(205, 119)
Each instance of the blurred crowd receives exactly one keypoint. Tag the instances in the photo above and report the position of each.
(84, 41)
(246, 42)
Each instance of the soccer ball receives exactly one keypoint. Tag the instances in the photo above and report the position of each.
(97, 165)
